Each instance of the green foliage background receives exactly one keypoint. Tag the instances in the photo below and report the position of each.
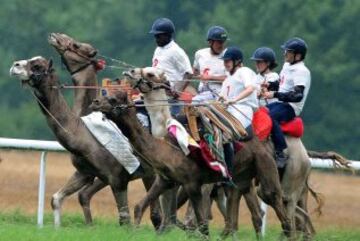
(119, 28)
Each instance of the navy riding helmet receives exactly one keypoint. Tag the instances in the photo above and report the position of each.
(265, 54)
(162, 25)
(233, 53)
(296, 45)
(217, 33)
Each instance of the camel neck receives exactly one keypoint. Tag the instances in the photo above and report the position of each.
(58, 114)
(84, 97)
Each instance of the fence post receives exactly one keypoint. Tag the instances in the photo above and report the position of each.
(41, 200)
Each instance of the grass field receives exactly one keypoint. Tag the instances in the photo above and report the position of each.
(19, 185)
(18, 226)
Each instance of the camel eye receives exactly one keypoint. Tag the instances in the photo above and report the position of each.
(76, 46)
(150, 75)
(112, 100)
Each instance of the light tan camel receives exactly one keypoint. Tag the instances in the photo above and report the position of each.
(92, 159)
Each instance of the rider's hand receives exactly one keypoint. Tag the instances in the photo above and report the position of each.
(267, 94)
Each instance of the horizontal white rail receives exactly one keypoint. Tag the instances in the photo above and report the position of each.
(10, 143)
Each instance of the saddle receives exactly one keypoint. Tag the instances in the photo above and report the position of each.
(262, 125)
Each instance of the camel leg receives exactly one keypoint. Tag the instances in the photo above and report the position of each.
(159, 186)
(253, 205)
(182, 197)
(121, 199)
(85, 196)
(195, 196)
(270, 191)
(190, 218)
(220, 200)
(155, 212)
(75, 183)
(168, 207)
(232, 211)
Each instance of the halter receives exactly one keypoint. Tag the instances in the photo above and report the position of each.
(150, 84)
(90, 61)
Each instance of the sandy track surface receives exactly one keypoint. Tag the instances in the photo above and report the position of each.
(19, 172)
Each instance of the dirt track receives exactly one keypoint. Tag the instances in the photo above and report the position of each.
(19, 183)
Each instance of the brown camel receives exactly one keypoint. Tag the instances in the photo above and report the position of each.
(76, 138)
(173, 167)
(77, 57)
(150, 81)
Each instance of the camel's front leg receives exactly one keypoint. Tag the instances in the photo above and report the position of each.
(121, 199)
(75, 183)
(85, 196)
(155, 211)
(253, 204)
(159, 186)
(168, 207)
(194, 192)
(232, 211)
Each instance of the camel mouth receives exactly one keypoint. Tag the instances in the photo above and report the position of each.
(53, 40)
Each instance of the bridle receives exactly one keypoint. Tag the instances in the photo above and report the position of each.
(149, 84)
(90, 61)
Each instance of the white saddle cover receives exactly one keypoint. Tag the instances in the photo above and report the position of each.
(111, 137)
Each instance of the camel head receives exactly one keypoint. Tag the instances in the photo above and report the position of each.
(145, 78)
(113, 106)
(32, 71)
(74, 54)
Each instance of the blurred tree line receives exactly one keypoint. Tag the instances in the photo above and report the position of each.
(119, 29)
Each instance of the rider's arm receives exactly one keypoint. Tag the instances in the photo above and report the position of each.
(243, 94)
(292, 96)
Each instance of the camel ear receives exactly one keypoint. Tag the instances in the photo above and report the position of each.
(162, 77)
(50, 64)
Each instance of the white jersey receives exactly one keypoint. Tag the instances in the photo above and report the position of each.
(262, 79)
(232, 86)
(174, 62)
(209, 64)
(291, 76)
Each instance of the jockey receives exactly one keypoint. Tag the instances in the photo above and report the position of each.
(294, 87)
(265, 62)
(239, 92)
(208, 66)
(171, 58)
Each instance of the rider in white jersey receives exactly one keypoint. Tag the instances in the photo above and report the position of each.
(208, 66)
(171, 58)
(239, 93)
(294, 87)
(265, 62)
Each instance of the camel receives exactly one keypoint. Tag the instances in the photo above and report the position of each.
(174, 168)
(76, 59)
(294, 183)
(91, 158)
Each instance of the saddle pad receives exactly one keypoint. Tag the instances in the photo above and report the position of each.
(293, 128)
(111, 137)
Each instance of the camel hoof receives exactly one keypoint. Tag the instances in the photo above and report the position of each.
(137, 214)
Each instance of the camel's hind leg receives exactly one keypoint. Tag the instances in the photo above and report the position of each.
(168, 206)
(85, 196)
(75, 183)
(155, 212)
(160, 185)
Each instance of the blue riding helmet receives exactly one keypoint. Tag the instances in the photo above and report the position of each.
(217, 33)
(265, 54)
(233, 53)
(162, 25)
(296, 45)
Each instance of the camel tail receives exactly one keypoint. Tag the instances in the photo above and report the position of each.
(319, 198)
(338, 160)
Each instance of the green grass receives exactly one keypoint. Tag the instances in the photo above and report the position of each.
(20, 227)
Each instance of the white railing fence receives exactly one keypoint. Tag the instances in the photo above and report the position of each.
(46, 146)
